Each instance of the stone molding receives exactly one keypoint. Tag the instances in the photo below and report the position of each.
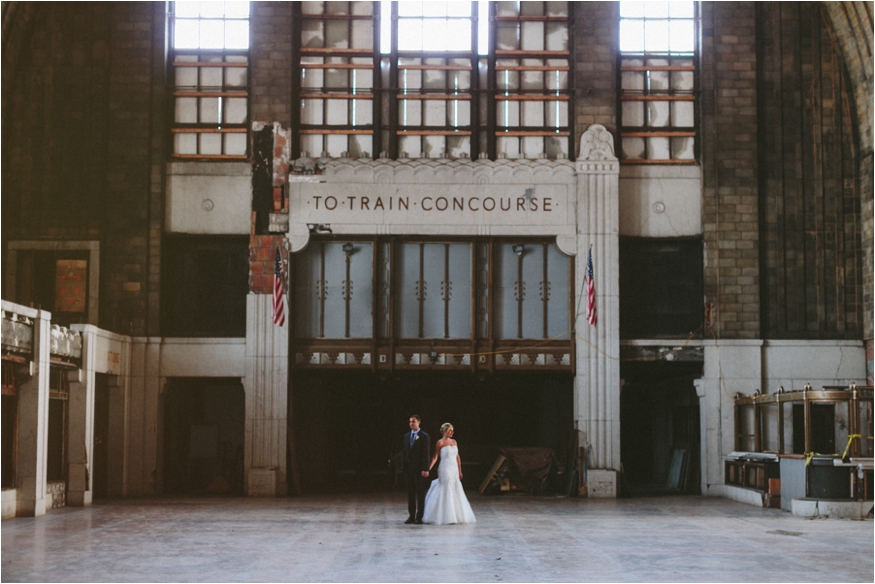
(450, 171)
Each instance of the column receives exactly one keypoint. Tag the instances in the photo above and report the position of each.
(33, 429)
(597, 382)
(266, 385)
(80, 435)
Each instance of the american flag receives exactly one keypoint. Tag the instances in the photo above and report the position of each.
(279, 312)
(589, 283)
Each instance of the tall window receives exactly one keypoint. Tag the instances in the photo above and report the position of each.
(210, 62)
(434, 79)
(658, 81)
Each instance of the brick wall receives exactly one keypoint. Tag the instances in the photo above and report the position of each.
(595, 44)
(811, 206)
(271, 62)
(729, 164)
(262, 261)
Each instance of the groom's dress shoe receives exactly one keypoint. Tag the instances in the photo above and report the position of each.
(409, 521)
(418, 522)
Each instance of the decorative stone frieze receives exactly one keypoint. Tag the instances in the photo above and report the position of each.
(17, 333)
(66, 343)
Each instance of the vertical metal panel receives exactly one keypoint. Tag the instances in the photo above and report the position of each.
(362, 294)
(459, 306)
(506, 322)
(306, 306)
(558, 317)
(407, 302)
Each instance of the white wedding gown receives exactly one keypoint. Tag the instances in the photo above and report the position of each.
(445, 501)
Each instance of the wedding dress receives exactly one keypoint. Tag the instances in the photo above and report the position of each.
(445, 501)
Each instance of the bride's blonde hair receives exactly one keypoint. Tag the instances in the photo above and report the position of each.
(444, 427)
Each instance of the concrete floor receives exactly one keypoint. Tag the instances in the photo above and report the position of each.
(361, 537)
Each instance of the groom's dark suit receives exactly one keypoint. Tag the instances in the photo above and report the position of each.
(417, 456)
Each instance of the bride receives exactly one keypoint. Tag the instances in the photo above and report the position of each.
(445, 501)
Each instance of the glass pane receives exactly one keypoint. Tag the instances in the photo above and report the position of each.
(456, 145)
(557, 114)
(682, 80)
(681, 36)
(510, 147)
(209, 110)
(508, 113)
(457, 8)
(362, 34)
(311, 7)
(407, 278)
(412, 145)
(533, 147)
(235, 110)
(558, 308)
(433, 146)
(435, 79)
(186, 34)
(362, 8)
(633, 148)
(659, 80)
(360, 145)
(505, 292)
(211, 77)
(681, 9)
(361, 295)
(312, 34)
(186, 9)
(460, 113)
(335, 306)
(435, 112)
(336, 112)
(235, 144)
(185, 143)
(632, 35)
(682, 114)
(337, 34)
(657, 112)
(410, 8)
(236, 34)
(557, 8)
(434, 258)
(557, 36)
(556, 146)
(532, 114)
(658, 148)
(656, 36)
(459, 304)
(312, 143)
(682, 148)
(186, 77)
(631, 9)
(507, 36)
(410, 112)
(458, 35)
(336, 144)
(654, 9)
(212, 34)
(409, 35)
(532, 36)
(236, 9)
(235, 77)
(632, 80)
(362, 112)
(212, 9)
(311, 112)
(532, 79)
(507, 8)
(186, 110)
(210, 143)
(633, 113)
(306, 283)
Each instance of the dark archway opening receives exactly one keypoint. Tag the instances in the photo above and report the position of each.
(659, 428)
(203, 436)
(348, 427)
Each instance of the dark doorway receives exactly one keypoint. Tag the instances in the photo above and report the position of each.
(203, 436)
(348, 427)
(659, 428)
(101, 437)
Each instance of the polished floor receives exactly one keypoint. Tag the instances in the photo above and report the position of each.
(362, 538)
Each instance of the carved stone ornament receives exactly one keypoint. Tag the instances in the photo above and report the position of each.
(597, 144)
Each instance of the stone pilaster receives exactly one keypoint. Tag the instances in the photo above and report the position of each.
(80, 436)
(266, 385)
(597, 382)
(33, 429)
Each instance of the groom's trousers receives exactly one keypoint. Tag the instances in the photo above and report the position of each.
(417, 486)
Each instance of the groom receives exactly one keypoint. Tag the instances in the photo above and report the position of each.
(417, 456)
